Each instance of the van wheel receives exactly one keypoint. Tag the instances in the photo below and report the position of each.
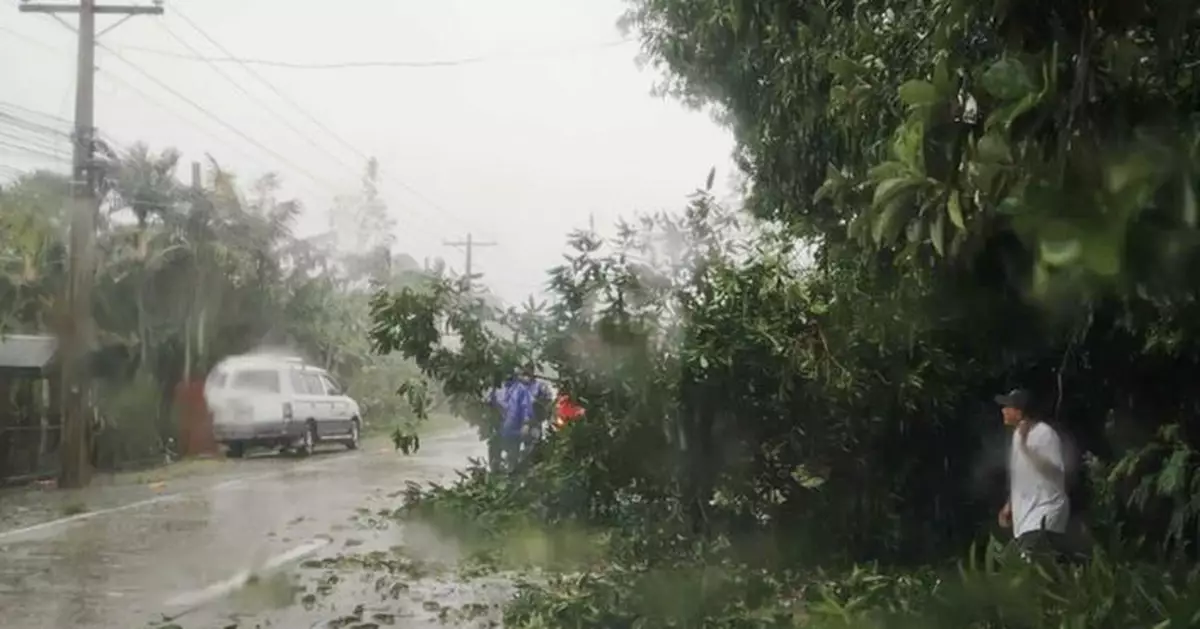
(308, 442)
(354, 436)
(236, 450)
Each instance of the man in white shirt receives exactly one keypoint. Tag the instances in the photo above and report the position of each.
(1038, 509)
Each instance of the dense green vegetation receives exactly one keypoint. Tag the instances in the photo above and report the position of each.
(188, 274)
(946, 198)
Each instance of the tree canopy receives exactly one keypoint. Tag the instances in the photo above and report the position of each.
(992, 194)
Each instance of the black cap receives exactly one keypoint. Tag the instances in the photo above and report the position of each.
(1017, 398)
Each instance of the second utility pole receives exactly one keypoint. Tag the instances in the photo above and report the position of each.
(469, 245)
(75, 328)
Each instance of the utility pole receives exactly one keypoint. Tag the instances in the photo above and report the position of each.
(469, 245)
(75, 333)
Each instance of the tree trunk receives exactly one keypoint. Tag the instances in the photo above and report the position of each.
(43, 404)
(201, 345)
(187, 350)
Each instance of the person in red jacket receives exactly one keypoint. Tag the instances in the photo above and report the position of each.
(566, 410)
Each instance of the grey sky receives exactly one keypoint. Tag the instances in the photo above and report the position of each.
(559, 122)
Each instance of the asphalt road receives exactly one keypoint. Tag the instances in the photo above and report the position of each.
(239, 548)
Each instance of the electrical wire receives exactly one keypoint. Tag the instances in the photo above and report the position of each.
(344, 65)
(307, 137)
(246, 64)
(34, 111)
(38, 142)
(168, 109)
(31, 126)
(14, 124)
(146, 96)
(108, 74)
(408, 188)
(34, 151)
(215, 118)
(313, 119)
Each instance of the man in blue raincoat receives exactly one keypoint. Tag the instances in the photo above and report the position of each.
(514, 399)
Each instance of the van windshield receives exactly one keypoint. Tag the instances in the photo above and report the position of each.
(260, 380)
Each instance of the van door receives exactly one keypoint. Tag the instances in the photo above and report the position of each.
(304, 405)
(343, 412)
(323, 411)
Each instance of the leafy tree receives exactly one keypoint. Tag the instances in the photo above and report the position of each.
(1013, 182)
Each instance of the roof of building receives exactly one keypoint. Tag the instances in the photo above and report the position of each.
(27, 351)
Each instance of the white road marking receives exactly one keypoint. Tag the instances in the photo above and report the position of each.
(7, 535)
(191, 600)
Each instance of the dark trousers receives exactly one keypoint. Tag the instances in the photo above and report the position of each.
(1051, 546)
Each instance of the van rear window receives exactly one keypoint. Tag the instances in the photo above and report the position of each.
(261, 380)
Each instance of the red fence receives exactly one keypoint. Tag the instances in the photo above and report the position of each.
(195, 424)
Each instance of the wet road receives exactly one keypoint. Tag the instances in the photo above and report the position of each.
(188, 553)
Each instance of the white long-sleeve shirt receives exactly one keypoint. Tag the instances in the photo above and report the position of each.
(1038, 501)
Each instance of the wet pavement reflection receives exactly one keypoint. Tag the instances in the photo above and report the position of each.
(239, 549)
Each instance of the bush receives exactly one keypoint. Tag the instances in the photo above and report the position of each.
(130, 433)
(1010, 595)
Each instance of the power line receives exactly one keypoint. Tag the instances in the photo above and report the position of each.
(111, 76)
(40, 152)
(209, 114)
(271, 86)
(146, 96)
(305, 136)
(108, 74)
(311, 118)
(39, 142)
(215, 118)
(34, 111)
(30, 126)
(184, 98)
(344, 65)
(412, 191)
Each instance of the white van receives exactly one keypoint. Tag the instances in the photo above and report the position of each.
(278, 402)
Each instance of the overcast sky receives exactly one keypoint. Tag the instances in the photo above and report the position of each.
(557, 121)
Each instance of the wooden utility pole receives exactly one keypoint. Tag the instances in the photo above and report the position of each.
(75, 334)
(469, 245)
